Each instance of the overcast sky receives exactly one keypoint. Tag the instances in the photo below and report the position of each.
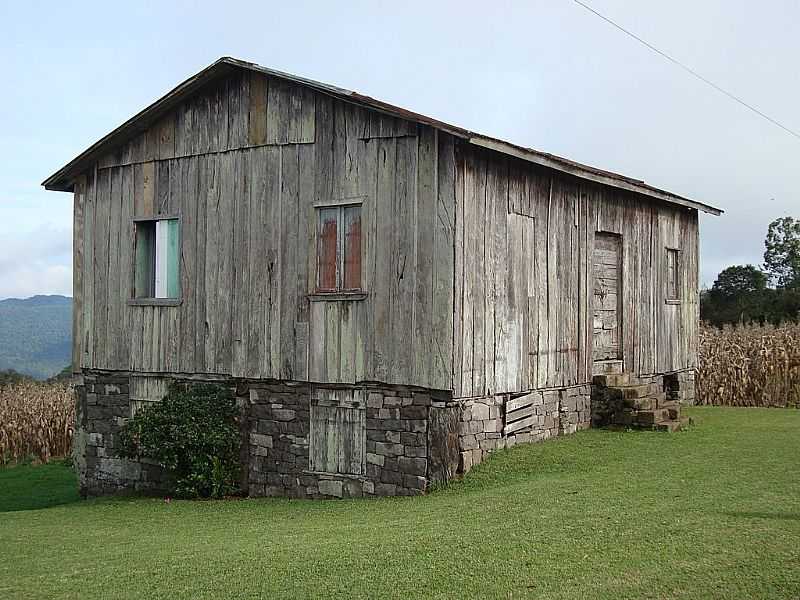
(544, 74)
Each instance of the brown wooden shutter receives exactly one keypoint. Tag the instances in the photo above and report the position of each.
(337, 436)
(352, 248)
(327, 249)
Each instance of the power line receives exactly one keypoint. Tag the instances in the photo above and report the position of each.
(688, 69)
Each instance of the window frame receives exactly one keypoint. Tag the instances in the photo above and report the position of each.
(673, 296)
(339, 292)
(153, 300)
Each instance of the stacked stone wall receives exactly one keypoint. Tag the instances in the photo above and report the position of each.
(680, 386)
(397, 444)
(503, 420)
(103, 407)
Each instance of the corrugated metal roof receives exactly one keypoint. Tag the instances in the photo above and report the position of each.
(62, 179)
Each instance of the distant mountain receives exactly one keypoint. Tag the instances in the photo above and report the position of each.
(36, 335)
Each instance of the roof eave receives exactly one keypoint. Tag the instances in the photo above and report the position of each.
(63, 179)
(589, 173)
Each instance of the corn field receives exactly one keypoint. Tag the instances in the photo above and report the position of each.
(36, 421)
(749, 365)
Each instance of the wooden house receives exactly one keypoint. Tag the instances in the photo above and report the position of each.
(391, 297)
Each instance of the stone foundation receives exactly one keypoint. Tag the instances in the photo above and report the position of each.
(410, 440)
(102, 407)
(503, 420)
(410, 437)
(404, 449)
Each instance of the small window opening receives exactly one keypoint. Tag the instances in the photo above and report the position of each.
(157, 259)
(339, 249)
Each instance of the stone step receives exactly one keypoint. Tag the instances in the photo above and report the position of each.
(670, 426)
(674, 408)
(630, 392)
(641, 403)
(602, 367)
(612, 379)
(652, 417)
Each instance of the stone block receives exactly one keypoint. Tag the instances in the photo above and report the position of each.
(392, 401)
(421, 399)
(283, 414)
(477, 456)
(414, 412)
(414, 482)
(413, 439)
(467, 442)
(393, 477)
(259, 439)
(353, 489)
(480, 412)
(389, 449)
(416, 451)
(375, 400)
(465, 461)
(385, 489)
(488, 445)
(376, 435)
(375, 459)
(492, 426)
(393, 437)
(413, 466)
(268, 427)
(330, 487)
(416, 426)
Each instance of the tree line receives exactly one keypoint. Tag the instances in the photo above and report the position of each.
(769, 293)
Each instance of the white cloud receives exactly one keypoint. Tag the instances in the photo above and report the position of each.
(36, 262)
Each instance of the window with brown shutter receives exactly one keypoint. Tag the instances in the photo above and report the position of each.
(339, 249)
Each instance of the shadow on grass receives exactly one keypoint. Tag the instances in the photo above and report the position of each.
(33, 487)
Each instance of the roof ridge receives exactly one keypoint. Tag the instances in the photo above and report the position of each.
(61, 179)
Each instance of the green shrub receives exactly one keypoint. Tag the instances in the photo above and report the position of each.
(193, 433)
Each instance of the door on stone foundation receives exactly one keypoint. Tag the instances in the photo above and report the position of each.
(607, 276)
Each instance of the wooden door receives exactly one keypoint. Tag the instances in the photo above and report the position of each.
(607, 276)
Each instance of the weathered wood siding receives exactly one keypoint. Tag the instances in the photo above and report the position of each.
(243, 166)
(524, 284)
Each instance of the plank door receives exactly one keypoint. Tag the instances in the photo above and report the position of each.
(607, 276)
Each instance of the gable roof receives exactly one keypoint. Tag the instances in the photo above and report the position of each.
(63, 179)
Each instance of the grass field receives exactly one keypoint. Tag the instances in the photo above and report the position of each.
(713, 512)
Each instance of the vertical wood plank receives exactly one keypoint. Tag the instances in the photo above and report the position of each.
(442, 303)
(78, 219)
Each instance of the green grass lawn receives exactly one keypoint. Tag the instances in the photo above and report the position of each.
(713, 512)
